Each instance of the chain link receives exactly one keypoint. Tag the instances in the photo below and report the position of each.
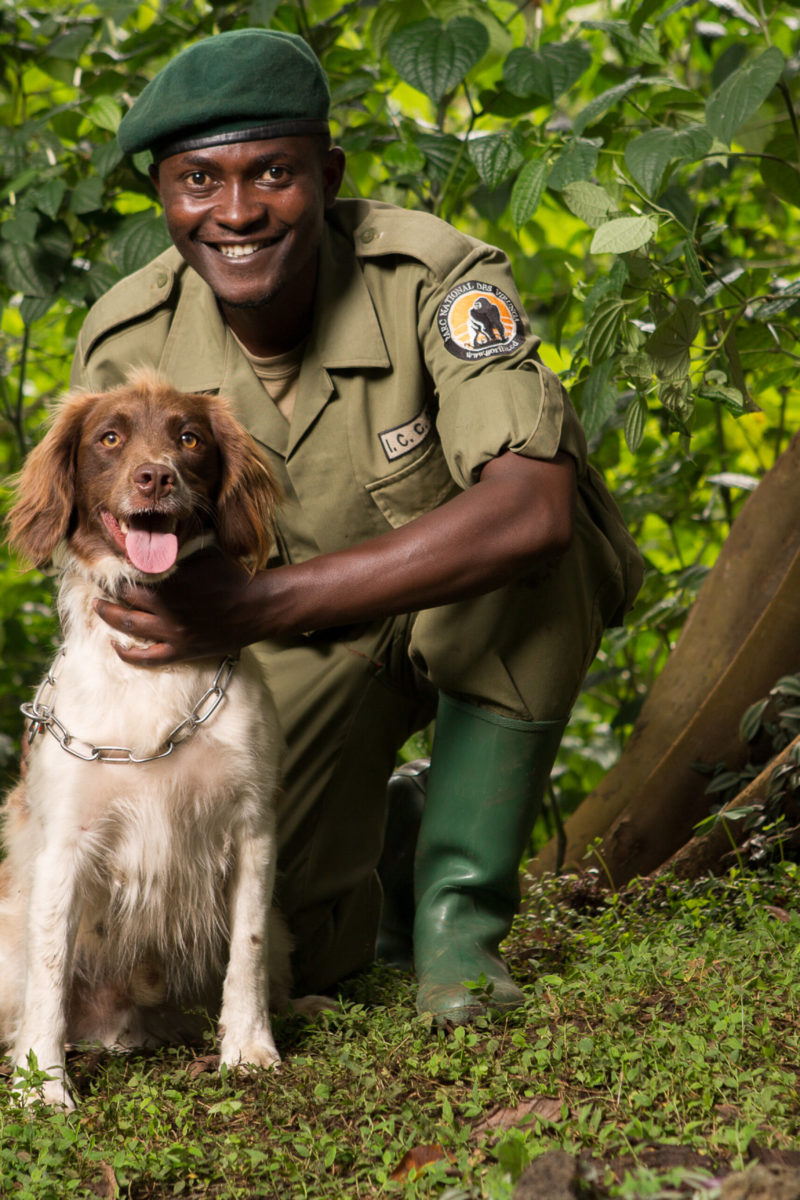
(42, 717)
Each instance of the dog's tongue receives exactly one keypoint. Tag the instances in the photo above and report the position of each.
(151, 552)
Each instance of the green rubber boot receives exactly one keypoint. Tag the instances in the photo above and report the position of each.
(487, 777)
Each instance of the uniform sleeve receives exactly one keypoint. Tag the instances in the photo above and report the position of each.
(494, 393)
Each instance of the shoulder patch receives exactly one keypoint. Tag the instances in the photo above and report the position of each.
(477, 320)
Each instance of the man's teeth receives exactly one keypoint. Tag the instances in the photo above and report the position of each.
(240, 251)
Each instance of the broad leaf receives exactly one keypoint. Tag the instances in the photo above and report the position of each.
(742, 94)
(602, 103)
(648, 156)
(495, 156)
(576, 161)
(105, 113)
(635, 420)
(671, 343)
(547, 73)
(527, 191)
(435, 58)
(598, 399)
(622, 235)
(603, 330)
(588, 201)
(140, 238)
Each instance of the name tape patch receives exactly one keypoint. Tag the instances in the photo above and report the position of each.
(404, 438)
(477, 320)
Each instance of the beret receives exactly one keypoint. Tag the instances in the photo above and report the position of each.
(239, 86)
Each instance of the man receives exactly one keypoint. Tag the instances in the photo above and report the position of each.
(443, 549)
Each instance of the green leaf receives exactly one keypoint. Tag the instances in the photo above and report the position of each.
(576, 161)
(623, 234)
(435, 58)
(643, 13)
(693, 267)
(602, 103)
(495, 156)
(782, 179)
(588, 201)
(741, 95)
(33, 308)
(21, 271)
(21, 228)
(87, 195)
(750, 724)
(603, 329)
(527, 191)
(48, 197)
(547, 73)
(648, 156)
(671, 343)
(105, 113)
(635, 420)
(139, 239)
(598, 399)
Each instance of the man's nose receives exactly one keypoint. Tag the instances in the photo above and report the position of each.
(239, 206)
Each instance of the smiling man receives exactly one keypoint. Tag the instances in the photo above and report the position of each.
(443, 547)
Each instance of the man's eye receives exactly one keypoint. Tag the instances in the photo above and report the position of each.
(199, 179)
(190, 440)
(275, 174)
(110, 438)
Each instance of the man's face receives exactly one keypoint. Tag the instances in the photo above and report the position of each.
(249, 217)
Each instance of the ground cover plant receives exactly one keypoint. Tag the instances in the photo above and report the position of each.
(659, 1048)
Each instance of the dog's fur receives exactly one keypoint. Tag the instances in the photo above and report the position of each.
(131, 891)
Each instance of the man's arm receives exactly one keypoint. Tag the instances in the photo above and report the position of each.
(517, 516)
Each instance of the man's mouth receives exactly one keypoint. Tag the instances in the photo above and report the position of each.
(243, 249)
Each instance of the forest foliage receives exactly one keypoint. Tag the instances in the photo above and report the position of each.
(639, 161)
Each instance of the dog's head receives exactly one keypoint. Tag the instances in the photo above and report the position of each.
(139, 471)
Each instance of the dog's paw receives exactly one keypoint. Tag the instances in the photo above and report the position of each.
(55, 1091)
(243, 1055)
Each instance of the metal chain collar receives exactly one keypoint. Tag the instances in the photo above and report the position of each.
(42, 717)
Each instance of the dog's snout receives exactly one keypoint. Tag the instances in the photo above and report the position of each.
(154, 480)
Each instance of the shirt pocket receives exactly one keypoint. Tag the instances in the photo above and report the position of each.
(416, 488)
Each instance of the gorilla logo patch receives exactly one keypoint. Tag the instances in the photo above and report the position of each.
(477, 320)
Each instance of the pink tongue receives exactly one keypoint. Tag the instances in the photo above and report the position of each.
(151, 552)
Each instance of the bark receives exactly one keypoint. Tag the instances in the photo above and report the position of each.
(742, 634)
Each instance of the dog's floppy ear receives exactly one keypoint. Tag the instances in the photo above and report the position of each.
(248, 494)
(44, 489)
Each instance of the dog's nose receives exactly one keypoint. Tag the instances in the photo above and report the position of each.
(154, 480)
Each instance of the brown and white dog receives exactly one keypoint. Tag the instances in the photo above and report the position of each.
(135, 883)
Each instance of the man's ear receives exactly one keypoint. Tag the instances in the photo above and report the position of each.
(333, 173)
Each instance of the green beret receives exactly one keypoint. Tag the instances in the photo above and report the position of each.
(239, 86)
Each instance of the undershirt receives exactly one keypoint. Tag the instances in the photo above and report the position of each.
(278, 374)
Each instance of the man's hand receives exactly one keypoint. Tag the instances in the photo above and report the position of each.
(198, 612)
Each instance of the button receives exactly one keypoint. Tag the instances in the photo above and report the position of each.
(162, 279)
(368, 235)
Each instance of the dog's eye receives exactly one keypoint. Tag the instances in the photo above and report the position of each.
(190, 440)
(110, 439)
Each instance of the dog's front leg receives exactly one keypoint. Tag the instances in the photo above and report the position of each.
(52, 924)
(245, 1030)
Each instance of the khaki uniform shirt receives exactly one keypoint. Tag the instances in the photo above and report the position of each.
(420, 367)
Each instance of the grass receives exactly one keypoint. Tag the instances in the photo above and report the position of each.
(660, 1042)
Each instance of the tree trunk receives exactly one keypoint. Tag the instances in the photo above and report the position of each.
(741, 635)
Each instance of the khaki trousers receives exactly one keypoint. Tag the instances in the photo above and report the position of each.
(348, 700)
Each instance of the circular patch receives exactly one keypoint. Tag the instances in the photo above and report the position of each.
(477, 320)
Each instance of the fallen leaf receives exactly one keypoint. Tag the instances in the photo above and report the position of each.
(206, 1062)
(779, 913)
(548, 1108)
(418, 1158)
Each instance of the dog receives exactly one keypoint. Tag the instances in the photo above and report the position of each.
(140, 843)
